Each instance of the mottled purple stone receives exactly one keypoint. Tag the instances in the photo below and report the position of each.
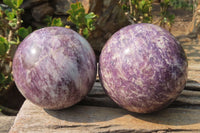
(143, 68)
(54, 67)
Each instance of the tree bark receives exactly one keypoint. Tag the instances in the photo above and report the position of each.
(194, 27)
(110, 19)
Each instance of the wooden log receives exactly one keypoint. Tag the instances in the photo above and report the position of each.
(98, 113)
(103, 119)
(5, 123)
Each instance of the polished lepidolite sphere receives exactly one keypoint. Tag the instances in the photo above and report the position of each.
(143, 68)
(54, 67)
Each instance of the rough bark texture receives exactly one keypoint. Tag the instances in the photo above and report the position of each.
(194, 27)
(41, 11)
(111, 19)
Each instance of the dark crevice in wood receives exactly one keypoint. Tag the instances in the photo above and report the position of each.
(108, 126)
(67, 126)
(149, 131)
(122, 131)
(97, 95)
(192, 86)
(99, 101)
(172, 130)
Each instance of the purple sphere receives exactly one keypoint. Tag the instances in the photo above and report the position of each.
(54, 67)
(143, 68)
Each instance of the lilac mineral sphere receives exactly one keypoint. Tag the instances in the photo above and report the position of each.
(54, 67)
(143, 68)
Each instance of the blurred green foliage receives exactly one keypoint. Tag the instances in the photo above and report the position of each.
(138, 10)
(24, 32)
(5, 81)
(4, 46)
(189, 5)
(84, 21)
(50, 21)
(11, 33)
(14, 4)
(166, 17)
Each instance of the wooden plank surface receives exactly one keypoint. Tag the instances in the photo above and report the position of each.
(97, 113)
(6, 122)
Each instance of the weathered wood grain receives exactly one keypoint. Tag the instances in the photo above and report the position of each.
(5, 123)
(103, 119)
(98, 113)
(192, 86)
(189, 97)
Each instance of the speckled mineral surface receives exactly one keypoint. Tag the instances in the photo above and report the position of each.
(143, 68)
(54, 67)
